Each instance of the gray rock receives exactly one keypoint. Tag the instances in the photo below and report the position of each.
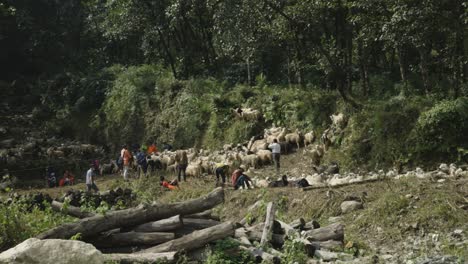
(326, 255)
(55, 251)
(349, 206)
(440, 260)
(444, 168)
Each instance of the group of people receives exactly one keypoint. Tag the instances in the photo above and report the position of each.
(54, 181)
(126, 158)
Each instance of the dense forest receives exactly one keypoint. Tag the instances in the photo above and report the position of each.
(113, 71)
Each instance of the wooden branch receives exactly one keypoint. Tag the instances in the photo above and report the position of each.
(203, 215)
(196, 239)
(169, 224)
(331, 232)
(289, 230)
(168, 257)
(326, 186)
(298, 224)
(131, 239)
(70, 210)
(270, 218)
(199, 223)
(331, 245)
(133, 216)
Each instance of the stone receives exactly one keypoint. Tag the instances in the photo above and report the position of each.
(314, 179)
(444, 168)
(38, 251)
(349, 206)
(457, 233)
(326, 255)
(440, 260)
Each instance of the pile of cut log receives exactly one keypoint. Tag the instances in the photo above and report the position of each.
(147, 233)
(162, 231)
(317, 241)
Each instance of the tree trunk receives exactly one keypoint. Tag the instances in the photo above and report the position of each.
(288, 229)
(423, 66)
(133, 216)
(203, 215)
(131, 239)
(196, 239)
(267, 229)
(199, 223)
(164, 225)
(249, 77)
(70, 210)
(276, 240)
(168, 257)
(403, 67)
(298, 223)
(331, 232)
(331, 245)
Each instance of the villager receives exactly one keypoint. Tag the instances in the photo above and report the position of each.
(90, 185)
(276, 152)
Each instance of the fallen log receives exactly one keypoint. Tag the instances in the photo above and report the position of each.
(298, 223)
(131, 239)
(163, 225)
(331, 232)
(311, 225)
(199, 223)
(288, 230)
(196, 239)
(70, 210)
(267, 229)
(133, 216)
(203, 215)
(326, 186)
(167, 257)
(260, 255)
(330, 245)
(276, 240)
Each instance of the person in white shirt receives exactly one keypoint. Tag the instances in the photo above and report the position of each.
(90, 180)
(276, 151)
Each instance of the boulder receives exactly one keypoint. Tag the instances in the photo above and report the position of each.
(314, 179)
(38, 251)
(444, 168)
(349, 206)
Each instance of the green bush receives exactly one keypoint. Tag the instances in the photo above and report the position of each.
(227, 251)
(379, 135)
(441, 130)
(18, 222)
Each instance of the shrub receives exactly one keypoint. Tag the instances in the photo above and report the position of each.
(18, 222)
(442, 129)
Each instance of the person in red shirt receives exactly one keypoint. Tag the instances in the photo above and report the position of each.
(239, 179)
(152, 149)
(172, 185)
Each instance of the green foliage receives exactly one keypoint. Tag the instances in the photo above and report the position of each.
(18, 222)
(294, 252)
(379, 135)
(442, 130)
(227, 251)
